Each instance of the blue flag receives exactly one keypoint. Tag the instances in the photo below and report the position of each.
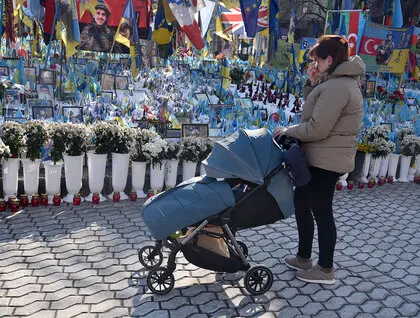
(249, 10)
(343, 30)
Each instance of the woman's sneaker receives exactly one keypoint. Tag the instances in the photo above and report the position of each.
(298, 263)
(317, 275)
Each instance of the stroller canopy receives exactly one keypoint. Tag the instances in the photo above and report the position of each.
(248, 154)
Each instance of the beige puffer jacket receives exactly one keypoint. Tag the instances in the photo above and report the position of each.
(332, 118)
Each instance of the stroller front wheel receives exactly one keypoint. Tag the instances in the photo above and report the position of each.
(159, 281)
(150, 257)
(258, 280)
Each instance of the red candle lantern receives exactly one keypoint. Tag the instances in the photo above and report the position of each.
(133, 196)
(339, 186)
(96, 198)
(371, 183)
(76, 199)
(2, 205)
(116, 196)
(14, 207)
(150, 194)
(361, 185)
(24, 201)
(44, 200)
(35, 200)
(390, 179)
(381, 181)
(9, 201)
(350, 185)
(56, 200)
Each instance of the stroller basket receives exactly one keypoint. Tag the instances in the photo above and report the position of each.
(202, 257)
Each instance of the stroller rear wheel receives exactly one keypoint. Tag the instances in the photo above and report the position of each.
(258, 280)
(150, 257)
(159, 281)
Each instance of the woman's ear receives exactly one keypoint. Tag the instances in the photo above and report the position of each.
(330, 60)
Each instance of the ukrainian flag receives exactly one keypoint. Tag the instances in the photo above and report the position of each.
(131, 40)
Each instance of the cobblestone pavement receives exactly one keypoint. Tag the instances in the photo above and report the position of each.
(82, 261)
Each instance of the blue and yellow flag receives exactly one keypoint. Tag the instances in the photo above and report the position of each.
(162, 34)
(128, 35)
(68, 28)
(226, 79)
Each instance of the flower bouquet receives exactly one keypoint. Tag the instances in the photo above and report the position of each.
(155, 151)
(173, 151)
(121, 139)
(101, 132)
(396, 97)
(58, 136)
(381, 93)
(190, 149)
(77, 138)
(12, 134)
(143, 136)
(4, 151)
(409, 149)
(36, 136)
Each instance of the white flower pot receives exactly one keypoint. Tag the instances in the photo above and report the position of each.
(120, 162)
(31, 176)
(375, 165)
(138, 174)
(418, 165)
(52, 179)
(384, 166)
(171, 173)
(366, 166)
(411, 173)
(157, 177)
(393, 165)
(10, 177)
(96, 172)
(404, 167)
(188, 170)
(343, 179)
(202, 170)
(73, 169)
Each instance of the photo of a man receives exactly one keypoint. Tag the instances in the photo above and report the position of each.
(97, 36)
(45, 91)
(385, 50)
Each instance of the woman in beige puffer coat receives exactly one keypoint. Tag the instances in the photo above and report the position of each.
(331, 121)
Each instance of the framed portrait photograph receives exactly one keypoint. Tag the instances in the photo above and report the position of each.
(4, 71)
(388, 126)
(195, 130)
(72, 114)
(47, 77)
(45, 91)
(185, 68)
(263, 112)
(202, 97)
(43, 113)
(9, 112)
(107, 82)
(370, 89)
(30, 74)
(107, 96)
(173, 133)
(125, 62)
(11, 99)
(121, 82)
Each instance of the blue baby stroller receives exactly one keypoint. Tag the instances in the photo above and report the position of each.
(246, 186)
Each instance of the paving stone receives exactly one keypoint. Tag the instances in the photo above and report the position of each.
(74, 311)
(66, 302)
(60, 294)
(27, 299)
(43, 314)
(31, 308)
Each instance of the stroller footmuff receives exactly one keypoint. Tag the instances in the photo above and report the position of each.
(246, 186)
